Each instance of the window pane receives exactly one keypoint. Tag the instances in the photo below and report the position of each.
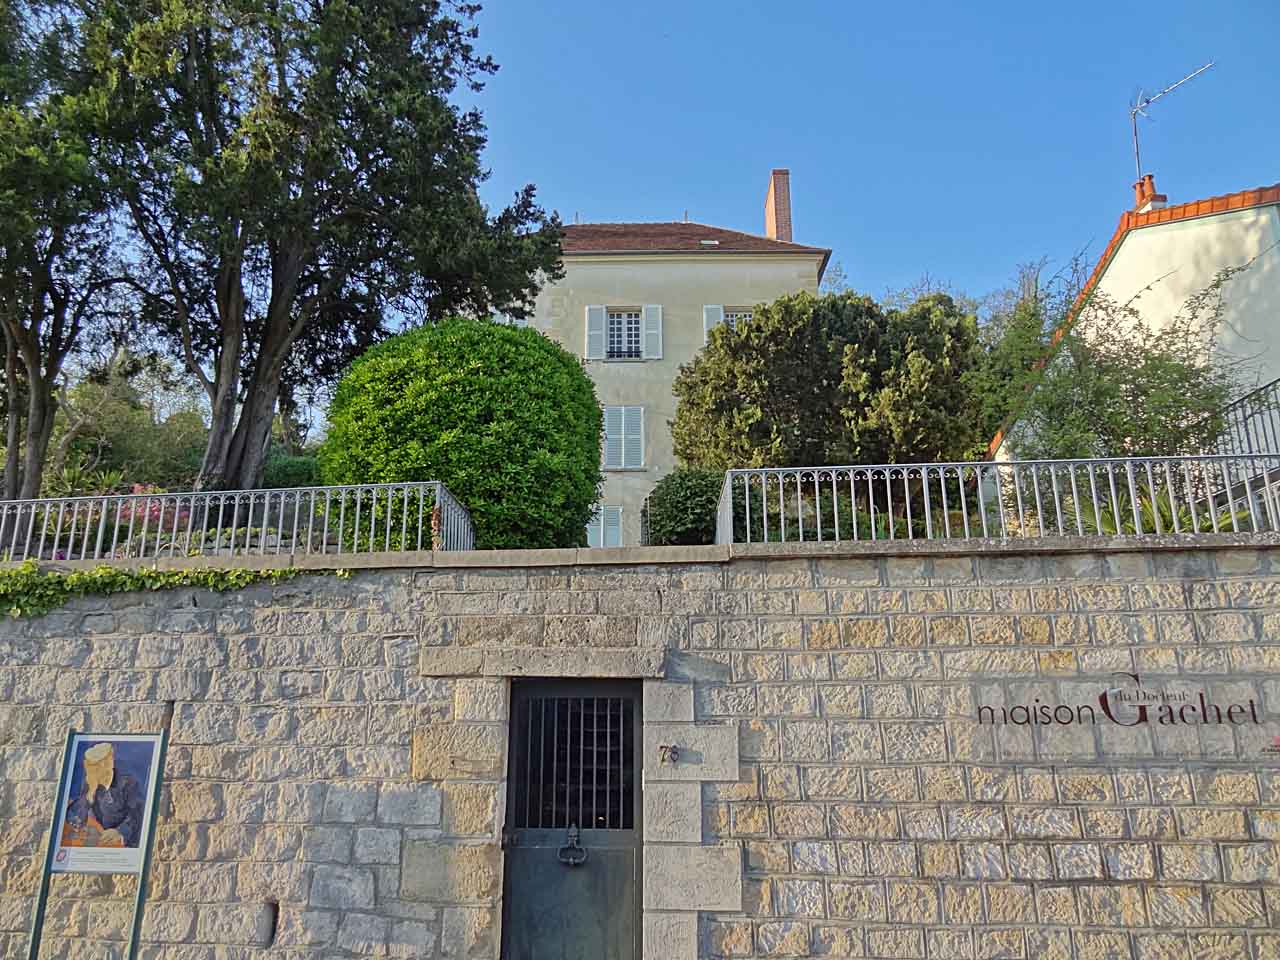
(624, 335)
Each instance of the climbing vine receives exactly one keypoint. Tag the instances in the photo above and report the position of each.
(28, 591)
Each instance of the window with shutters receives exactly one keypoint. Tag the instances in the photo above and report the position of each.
(735, 315)
(623, 437)
(605, 528)
(624, 335)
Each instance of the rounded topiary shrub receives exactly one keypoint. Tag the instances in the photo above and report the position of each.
(681, 510)
(505, 417)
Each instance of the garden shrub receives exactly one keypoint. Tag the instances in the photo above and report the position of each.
(681, 510)
(289, 470)
(505, 417)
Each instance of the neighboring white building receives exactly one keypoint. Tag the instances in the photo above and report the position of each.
(1165, 254)
(636, 302)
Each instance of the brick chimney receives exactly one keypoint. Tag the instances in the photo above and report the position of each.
(1145, 197)
(777, 206)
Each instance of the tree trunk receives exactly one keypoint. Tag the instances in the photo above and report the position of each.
(222, 421)
(13, 447)
(41, 408)
(215, 468)
(248, 449)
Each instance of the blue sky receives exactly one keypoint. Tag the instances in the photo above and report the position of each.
(956, 139)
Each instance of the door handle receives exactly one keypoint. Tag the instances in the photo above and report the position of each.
(572, 854)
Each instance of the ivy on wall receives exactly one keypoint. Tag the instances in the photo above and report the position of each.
(28, 591)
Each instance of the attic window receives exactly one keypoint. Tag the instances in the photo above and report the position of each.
(709, 243)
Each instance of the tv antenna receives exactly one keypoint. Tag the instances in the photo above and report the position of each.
(1143, 100)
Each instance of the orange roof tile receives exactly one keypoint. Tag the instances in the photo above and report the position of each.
(1132, 220)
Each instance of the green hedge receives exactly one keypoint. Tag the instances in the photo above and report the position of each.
(505, 417)
(290, 470)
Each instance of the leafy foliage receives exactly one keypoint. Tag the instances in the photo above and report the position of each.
(298, 176)
(506, 418)
(1163, 512)
(821, 380)
(58, 272)
(1120, 383)
(904, 383)
(28, 591)
(134, 416)
(681, 508)
(290, 470)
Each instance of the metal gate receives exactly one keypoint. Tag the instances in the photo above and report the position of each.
(571, 888)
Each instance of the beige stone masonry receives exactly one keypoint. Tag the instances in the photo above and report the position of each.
(688, 877)
(338, 750)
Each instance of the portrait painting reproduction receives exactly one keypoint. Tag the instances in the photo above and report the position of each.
(105, 810)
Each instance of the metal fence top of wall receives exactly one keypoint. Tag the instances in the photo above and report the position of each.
(1121, 496)
(356, 519)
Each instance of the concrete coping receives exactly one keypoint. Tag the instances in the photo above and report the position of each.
(720, 553)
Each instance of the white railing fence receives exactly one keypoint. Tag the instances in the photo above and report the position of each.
(1030, 498)
(369, 518)
(1252, 423)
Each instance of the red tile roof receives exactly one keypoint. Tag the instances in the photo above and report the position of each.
(1132, 220)
(679, 237)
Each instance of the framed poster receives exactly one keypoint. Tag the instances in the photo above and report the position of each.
(106, 807)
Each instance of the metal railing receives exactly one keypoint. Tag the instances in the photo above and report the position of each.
(1252, 423)
(370, 518)
(1030, 498)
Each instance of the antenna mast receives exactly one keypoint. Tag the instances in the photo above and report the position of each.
(1143, 101)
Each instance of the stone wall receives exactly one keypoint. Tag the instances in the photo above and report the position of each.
(338, 752)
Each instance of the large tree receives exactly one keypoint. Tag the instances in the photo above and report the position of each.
(296, 175)
(832, 379)
(57, 271)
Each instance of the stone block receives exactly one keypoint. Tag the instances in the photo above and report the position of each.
(444, 750)
(407, 803)
(327, 844)
(670, 936)
(480, 700)
(805, 740)
(693, 878)
(1077, 861)
(437, 872)
(729, 938)
(1176, 906)
(857, 900)
(706, 751)
(377, 845)
(364, 933)
(350, 802)
(782, 938)
(469, 808)
(666, 701)
(247, 924)
(673, 812)
(341, 888)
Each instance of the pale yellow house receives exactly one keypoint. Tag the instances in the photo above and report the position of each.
(636, 302)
